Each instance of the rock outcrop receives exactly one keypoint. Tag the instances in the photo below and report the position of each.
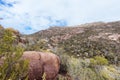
(42, 64)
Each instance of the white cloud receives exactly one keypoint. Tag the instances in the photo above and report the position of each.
(40, 14)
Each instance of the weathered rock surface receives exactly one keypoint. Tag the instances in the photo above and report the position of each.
(42, 63)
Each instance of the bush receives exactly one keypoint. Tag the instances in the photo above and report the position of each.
(12, 30)
(98, 60)
(10, 54)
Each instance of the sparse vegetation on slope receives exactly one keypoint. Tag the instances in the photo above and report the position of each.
(87, 52)
(78, 46)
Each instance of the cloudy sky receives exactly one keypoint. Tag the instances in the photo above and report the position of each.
(29, 16)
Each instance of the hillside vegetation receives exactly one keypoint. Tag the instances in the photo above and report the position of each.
(88, 52)
(12, 67)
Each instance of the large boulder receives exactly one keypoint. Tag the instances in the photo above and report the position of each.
(42, 64)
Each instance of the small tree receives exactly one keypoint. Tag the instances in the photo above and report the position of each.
(13, 66)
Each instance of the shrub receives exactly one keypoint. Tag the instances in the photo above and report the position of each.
(12, 30)
(98, 60)
(10, 54)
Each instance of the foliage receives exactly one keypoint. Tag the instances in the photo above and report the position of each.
(41, 45)
(12, 30)
(80, 45)
(13, 66)
(98, 60)
(76, 69)
(89, 41)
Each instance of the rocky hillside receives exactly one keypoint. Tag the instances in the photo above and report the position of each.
(86, 40)
(87, 52)
(92, 48)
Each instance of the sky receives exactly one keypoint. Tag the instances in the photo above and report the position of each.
(29, 16)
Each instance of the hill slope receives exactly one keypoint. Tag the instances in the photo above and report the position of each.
(87, 52)
(104, 37)
(87, 49)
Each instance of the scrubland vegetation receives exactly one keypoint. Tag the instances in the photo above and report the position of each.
(11, 66)
(87, 52)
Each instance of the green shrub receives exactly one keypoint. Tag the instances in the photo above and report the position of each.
(98, 60)
(13, 66)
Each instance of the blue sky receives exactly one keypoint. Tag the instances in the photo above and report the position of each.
(29, 16)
